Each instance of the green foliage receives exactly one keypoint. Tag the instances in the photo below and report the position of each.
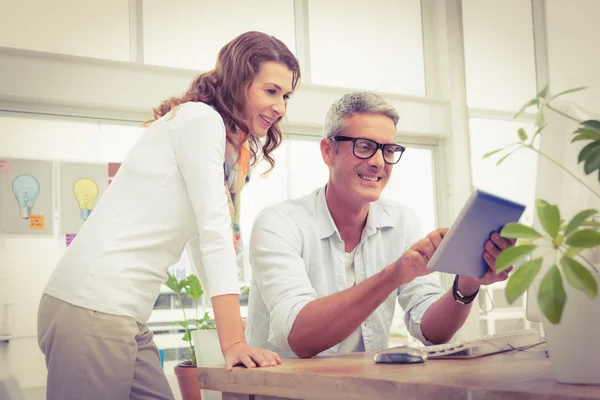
(191, 287)
(552, 296)
(564, 242)
(519, 281)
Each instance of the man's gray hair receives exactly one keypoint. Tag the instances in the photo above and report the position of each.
(355, 103)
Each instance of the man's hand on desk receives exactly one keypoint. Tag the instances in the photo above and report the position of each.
(493, 246)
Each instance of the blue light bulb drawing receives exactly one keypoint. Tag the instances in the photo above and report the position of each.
(26, 189)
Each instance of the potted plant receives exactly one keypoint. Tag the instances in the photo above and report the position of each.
(186, 370)
(558, 254)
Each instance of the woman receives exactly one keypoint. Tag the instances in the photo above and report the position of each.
(173, 188)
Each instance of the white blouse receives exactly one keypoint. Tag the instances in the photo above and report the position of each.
(169, 191)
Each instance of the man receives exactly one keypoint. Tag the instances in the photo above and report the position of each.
(328, 267)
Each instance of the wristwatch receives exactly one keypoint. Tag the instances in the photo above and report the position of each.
(459, 297)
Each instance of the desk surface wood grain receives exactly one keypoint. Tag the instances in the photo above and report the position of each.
(514, 375)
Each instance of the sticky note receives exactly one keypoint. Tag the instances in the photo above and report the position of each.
(36, 222)
(4, 166)
(69, 238)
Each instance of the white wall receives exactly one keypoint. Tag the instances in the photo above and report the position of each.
(573, 58)
(28, 261)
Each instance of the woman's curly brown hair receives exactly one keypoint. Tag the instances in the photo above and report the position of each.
(224, 88)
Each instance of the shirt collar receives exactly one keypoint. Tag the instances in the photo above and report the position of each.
(376, 218)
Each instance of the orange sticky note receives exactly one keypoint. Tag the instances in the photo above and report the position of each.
(36, 222)
(4, 166)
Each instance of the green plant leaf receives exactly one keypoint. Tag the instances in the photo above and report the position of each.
(522, 134)
(530, 103)
(527, 241)
(577, 89)
(585, 238)
(500, 161)
(549, 216)
(511, 255)
(172, 283)
(193, 287)
(187, 337)
(579, 277)
(592, 162)
(591, 224)
(589, 149)
(578, 219)
(543, 93)
(592, 124)
(183, 324)
(491, 153)
(537, 132)
(515, 230)
(552, 296)
(585, 134)
(573, 251)
(540, 120)
(520, 280)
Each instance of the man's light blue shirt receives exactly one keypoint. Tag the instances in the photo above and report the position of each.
(297, 256)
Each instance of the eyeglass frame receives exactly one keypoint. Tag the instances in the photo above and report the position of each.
(378, 146)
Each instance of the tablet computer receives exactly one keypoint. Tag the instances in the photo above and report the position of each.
(461, 250)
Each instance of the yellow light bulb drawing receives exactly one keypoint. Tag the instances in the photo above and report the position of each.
(86, 193)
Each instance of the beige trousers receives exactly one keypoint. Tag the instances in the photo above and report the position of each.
(92, 355)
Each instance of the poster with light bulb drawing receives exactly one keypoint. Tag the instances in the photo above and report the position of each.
(81, 186)
(26, 196)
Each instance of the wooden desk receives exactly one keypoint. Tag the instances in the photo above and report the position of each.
(514, 375)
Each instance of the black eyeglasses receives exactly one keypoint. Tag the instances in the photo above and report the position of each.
(366, 148)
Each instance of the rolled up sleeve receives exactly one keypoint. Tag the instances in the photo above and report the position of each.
(280, 273)
(415, 298)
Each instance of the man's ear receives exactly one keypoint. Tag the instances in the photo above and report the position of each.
(327, 151)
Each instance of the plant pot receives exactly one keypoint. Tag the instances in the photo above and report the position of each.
(573, 343)
(207, 347)
(187, 377)
(208, 352)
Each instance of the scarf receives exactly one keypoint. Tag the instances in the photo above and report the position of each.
(236, 175)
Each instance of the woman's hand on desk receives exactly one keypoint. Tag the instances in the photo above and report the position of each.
(242, 354)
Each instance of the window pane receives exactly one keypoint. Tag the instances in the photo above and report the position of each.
(376, 45)
(307, 168)
(259, 193)
(190, 33)
(572, 34)
(84, 28)
(499, 53)
(412, 183)
(515, 178)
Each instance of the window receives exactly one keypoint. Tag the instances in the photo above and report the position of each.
(499, 54)
(376, 45)
(190, 33)
(307, 170)
(515, 178)
(259, 193)
(412, 183)
(84, 28)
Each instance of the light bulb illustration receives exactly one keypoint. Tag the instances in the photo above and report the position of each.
(86, 193)
(26, 189)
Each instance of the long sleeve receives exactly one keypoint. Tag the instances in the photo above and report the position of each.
(200, 148)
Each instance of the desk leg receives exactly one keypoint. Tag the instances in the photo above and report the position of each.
(237, 396)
